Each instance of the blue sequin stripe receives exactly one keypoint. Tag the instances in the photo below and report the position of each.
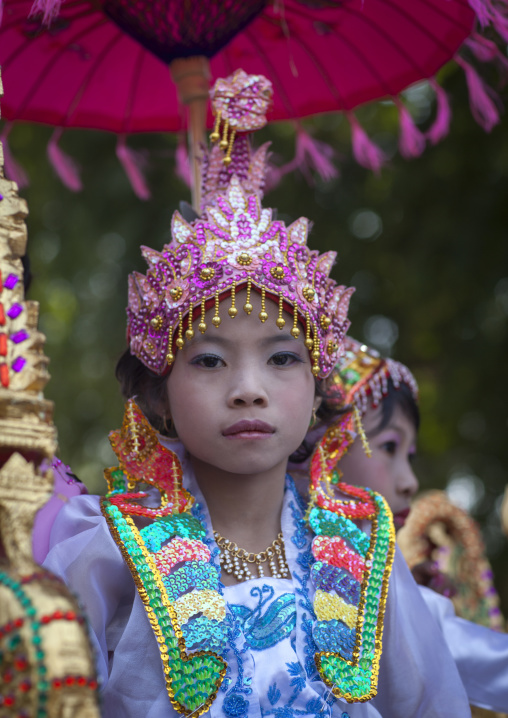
(329, 635)
(206, 633)
(332, 578)
(165, 528)
(193, 574)
(326, 523)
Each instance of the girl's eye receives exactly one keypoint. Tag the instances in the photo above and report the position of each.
(284, 359)
(390, 447)
(208, 361)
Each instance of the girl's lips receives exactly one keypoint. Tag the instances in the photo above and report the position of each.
(399, 519)
(249, 429)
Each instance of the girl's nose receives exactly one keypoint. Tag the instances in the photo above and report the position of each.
(247, 390)
(408, 483)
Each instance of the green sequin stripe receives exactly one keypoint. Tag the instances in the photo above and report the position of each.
(165, 528)
(35, 626)
(192, 680)
(356, 680)
(326, 523)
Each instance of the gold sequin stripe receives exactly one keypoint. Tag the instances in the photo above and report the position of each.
(207, 602)
(330, 606)
(159, 636)
(350, 697)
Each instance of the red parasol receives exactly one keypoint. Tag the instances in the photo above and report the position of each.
(86, 69)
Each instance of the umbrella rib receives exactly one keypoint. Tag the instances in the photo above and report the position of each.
(355, 51)
(303, 13)
(89, 76)
(134, 89)
(285, 99)
(51, 63)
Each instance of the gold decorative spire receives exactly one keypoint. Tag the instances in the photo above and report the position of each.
(44, 645)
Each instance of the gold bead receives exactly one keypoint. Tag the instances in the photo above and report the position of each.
(170, 357)
(281, 323)
(247, 308)
(325, 321)
(315, 354)
(263, 316)
(156, 322)
(309, 343)
(189, 334)
(227, 161)
(223, 144)
(216, 321)
(176, 293)
(308, 293)
(244, 259)
(214, 137)
(202, 327)
(315, 369)
(232, 311)
(295, 332)
(180, 343)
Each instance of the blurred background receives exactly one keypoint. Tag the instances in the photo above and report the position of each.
(425, 244)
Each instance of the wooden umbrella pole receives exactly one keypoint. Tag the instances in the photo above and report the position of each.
(191, 76)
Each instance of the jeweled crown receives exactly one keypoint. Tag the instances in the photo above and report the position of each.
(235, 244)
(361, 375)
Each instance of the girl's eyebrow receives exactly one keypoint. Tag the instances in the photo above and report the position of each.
(276, 338)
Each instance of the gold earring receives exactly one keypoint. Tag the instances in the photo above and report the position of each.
(313, 418)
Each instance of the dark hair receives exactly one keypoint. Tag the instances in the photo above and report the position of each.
(136, 380)
(328, 413)
(402, 397)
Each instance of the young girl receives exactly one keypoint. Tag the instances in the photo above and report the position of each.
(376, 400)
(209, 585)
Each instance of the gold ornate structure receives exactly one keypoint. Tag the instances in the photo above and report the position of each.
(46, 663)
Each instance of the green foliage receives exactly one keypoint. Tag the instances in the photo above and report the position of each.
(424, 243)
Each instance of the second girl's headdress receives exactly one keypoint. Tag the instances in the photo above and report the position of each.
(235, 244)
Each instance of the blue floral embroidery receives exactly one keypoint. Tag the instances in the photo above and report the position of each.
(278, 621)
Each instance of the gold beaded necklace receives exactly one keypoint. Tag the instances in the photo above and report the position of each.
(237, 561)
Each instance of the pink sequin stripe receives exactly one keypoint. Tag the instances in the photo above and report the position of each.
(180, 549)
(336, 552)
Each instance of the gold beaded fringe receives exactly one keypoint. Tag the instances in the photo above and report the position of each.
(237, 561)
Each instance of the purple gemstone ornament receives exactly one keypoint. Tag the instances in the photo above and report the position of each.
(20, 336)
(18, 364)
(11, 281)
(15, 311)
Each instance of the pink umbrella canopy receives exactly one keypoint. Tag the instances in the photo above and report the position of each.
(105, 65)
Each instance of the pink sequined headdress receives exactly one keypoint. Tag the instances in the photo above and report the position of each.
(235, 244)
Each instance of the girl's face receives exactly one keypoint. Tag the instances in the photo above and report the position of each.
(241, 395)
(388, 471)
